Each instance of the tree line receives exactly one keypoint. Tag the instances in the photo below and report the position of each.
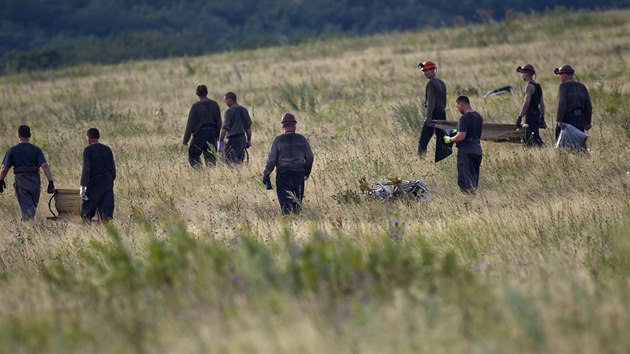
(41, 34)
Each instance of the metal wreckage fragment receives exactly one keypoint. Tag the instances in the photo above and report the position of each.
(389, 190)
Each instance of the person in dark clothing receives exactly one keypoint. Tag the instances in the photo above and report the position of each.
(435, 104)
(237, 127)
(292, 157)
(97, 179)
(26, 160)
(468, 140)
(574, 102)
(204, 122)
(533, 108)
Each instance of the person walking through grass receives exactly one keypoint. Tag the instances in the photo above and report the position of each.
(237, 128)
(204, 122)
(97, 179)
(292, 157)
(26, 160)
(533, 108)
(435, 105)
(574, 102)
(468, 140)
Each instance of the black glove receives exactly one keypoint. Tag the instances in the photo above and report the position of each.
(519, 121)
(541, 121)
(3, 185)
(51, 187)
(267, 182)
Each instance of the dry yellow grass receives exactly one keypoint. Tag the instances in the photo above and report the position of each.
(542, 220)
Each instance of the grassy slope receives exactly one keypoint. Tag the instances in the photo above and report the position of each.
(545, 241)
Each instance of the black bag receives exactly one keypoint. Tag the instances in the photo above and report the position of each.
(442, 150)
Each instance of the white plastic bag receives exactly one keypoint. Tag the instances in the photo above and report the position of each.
(571, 137)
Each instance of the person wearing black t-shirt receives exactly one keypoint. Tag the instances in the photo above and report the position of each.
(237, 127)
(468, 142)
(26, 160)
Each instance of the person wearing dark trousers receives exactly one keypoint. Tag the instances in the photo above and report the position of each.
(435, 104)
(533, 108)
(574, 102)
(292, 157)
(97, 179)
(468, 140)
(26, 160)
(237, 128)
(204, 122)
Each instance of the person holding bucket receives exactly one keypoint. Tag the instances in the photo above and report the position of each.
(237, 127)
(97, 179)
(26, 160)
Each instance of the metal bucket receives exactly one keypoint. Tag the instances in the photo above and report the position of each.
(67, 201)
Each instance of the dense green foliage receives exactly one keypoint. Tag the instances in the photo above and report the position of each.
(40, 34)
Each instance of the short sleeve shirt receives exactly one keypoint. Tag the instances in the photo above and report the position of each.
(470, 123)
(237, 120)
(24, 155)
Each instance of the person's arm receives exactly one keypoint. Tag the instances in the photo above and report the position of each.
(111, 154)
(588, 111)
(217, 115)
(227, 123)
(87, 167)
(459, 137)
(222, 134)
(462, 128)
(6, 165)
(3, 172)
(47, 172)
(430, 101)
(308, 159)
(562, 105)
(529, 91)
(272, 158)
(248, 125)
(189, 126)
(542, 105)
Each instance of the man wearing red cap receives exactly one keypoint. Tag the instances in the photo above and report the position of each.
(435, 104)
(292, 157)
(574, 102)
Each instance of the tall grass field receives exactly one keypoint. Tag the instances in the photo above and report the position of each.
(203, 260)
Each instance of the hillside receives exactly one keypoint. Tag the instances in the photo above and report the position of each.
(202, 261)
(41, 34)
